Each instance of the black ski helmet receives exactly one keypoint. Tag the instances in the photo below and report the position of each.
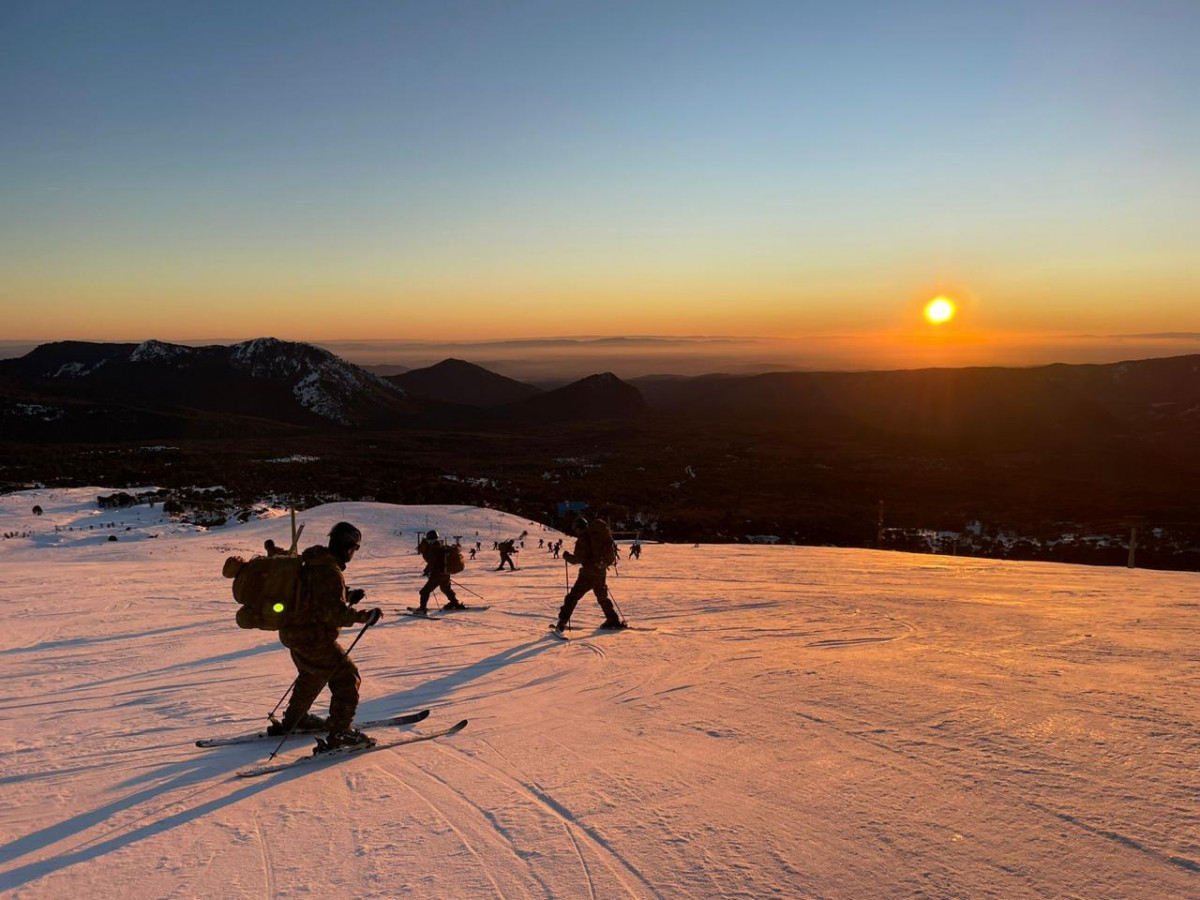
(581, 524)
(343, 536)
(432, 536)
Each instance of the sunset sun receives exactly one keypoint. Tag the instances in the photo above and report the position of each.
(939, 310)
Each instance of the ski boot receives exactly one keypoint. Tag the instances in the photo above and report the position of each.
(308, 722)
(613, 624)
(454, 604)
(350, 739)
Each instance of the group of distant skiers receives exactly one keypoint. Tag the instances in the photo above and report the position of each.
(323, 605)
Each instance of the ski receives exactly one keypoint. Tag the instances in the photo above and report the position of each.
(332, 755)
(407, 719)
(416, 612)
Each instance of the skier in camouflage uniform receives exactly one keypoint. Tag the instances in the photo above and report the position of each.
(593, 576)
(507, 549)
(311, 636)
(433, 551)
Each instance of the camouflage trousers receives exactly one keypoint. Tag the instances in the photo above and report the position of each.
(437, 581)
(315, 663)
(589, 579)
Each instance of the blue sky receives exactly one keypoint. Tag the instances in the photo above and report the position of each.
(747, 168)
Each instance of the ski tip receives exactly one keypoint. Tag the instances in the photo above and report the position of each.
(422, 715)
(457, 727)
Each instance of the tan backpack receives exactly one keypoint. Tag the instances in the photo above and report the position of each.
(454, 560)
(600, 539)
(267, 589)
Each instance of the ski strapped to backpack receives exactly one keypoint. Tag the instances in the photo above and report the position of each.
(268, 589)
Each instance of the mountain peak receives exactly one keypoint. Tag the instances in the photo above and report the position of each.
(465, 383)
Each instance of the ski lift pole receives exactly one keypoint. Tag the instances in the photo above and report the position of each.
(328, 678)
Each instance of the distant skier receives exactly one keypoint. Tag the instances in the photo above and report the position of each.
(433, 551)
(311, 635)
(507, 549)
(594, 553)
(472, 553)
(557, 547)
(635, 551)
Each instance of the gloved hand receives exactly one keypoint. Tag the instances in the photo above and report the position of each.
(569, 556)
(370, 616)
(353, 596)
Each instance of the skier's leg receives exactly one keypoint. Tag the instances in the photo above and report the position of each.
(427, 590)
(448, 590)
(310, 680)
(343, 690)
(600, 588)
(582, 586)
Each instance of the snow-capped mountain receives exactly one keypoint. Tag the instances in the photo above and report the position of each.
(267, 379)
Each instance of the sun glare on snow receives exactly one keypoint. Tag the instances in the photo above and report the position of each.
(939, 310)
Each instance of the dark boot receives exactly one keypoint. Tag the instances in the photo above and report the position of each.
(350, 739)
(614, 624)
(308, 723)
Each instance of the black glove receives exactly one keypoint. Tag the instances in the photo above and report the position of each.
(371, 616)
(353, 596)
(569, 556)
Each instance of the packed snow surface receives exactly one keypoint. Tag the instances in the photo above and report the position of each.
(801, 722)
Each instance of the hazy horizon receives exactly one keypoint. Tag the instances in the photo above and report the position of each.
(568, 357)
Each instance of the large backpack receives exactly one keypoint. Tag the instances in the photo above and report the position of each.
(600, 539)
(267, 589)
(454, 560)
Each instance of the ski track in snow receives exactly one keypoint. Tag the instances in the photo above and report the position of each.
(834, 724)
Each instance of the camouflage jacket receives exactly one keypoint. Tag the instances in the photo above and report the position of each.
(323, 610)
(434, 554)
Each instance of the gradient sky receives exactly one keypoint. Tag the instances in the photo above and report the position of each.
(435, 170)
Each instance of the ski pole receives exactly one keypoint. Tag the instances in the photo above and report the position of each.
(566, 575)
(328, 678)
(468, 590)
(616, 605)
(271, 714)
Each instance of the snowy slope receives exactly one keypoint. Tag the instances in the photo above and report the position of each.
(803, 723)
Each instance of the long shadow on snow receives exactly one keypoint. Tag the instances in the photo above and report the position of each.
(442, 686)
(204, 771)
(105, 639)
(181, 666)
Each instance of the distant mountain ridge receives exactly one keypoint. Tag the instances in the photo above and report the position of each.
(460, 382)
(74, 390)
(603, 396)
(972, 405)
